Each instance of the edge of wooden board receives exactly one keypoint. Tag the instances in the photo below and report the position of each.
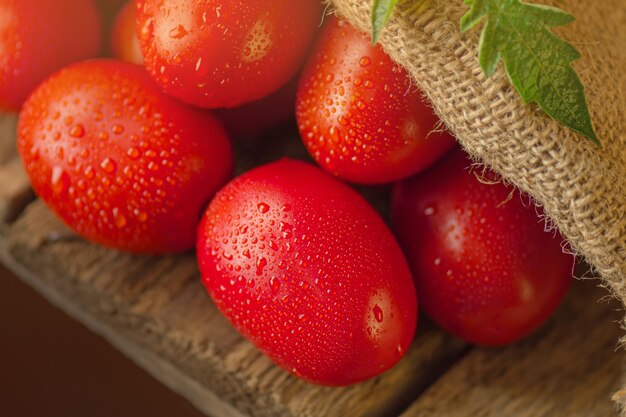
(172, 377)
(184, 342)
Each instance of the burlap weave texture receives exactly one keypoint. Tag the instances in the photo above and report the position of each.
(581, 187)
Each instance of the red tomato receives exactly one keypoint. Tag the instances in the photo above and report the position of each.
(124, 43)
(121, 163)
(305, 268)
(259, 117)
(38, 37)
(485, 268)
(227, 52)
(359, 113)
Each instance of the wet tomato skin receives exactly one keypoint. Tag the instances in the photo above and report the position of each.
(359, 114)
(305, 268)
(484, 267)
(228, 52)
(38, 37)
(120, 162)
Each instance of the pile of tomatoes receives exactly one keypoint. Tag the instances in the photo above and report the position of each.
(136, 153)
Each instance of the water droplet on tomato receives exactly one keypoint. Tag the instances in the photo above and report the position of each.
(59, 180)
(365, 61)
(275, 285)
(141, 216)
(133, 153)
(263, 207)
(77, 131)
(119, 218)
(108, 165)
(378, 313)
(178, 32)
(261, 263)
(146, 29)
(89, 172)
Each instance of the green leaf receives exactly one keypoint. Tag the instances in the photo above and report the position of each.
(381, 11)
(536, 60)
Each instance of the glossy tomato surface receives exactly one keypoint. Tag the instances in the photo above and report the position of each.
(225, 53)
(306, 269)
(485, 268)
(120, 162)
(38, 37)
(124, 43)
(359, 113)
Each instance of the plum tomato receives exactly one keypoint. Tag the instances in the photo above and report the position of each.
(485, 268)
(39, 37)
(225, 53)
(120, 162)
(304, 267)
(359, 114)
(124, 43)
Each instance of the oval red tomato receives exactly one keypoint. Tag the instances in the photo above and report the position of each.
(485, 268)
(305, 268)
(38, 37)
(359, 114)
(124, 43)
(228, 52)
(120, 162)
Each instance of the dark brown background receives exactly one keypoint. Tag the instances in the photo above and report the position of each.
(51, 365)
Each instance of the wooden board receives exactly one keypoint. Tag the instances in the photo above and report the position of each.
(8, 126)
(156, 311)
(15, 192)
(569, 369)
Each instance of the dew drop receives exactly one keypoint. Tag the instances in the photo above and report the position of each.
(89, 172)
(119, 218)
(378, 313)
(275, 285)
(108, 165)
(133, 153)
(261, 263)
(429, 211)
(178, 32)
(59, 181)
(77, 131)
(141, 216)
(364, 61)
(263, 207)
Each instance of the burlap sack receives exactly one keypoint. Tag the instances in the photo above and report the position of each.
(582, 187)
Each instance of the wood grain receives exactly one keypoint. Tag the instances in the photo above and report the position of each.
(569, 369)
(8, 126)
(155, 310)
(15, 191)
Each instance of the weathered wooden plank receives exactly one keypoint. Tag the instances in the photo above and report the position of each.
(569, 369)
(15, 191)
(8, 126)
(155, 310)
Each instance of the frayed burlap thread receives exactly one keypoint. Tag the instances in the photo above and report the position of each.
(581, 187)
